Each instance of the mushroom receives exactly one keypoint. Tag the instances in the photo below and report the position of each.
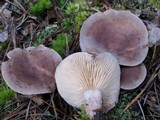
(90, 80)
(119, 32)
(31, 71)
(132, 77)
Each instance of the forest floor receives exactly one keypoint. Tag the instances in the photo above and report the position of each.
(56, 24)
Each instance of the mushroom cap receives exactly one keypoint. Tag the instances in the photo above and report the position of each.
(119, 32)
(132, 77)
(31, 71)
(81, 72)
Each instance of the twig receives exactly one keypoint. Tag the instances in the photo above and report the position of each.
(23, 20)
(150, 81)
(3, 7)
(55, 112)
(17, 5)
(3, 20)
(12, 30)
(144, 118)
(67, 46)
(96, 10)
(65, 4)
(156, 92)
(15, 112)
(154, 53)
(27, 111)
(20, 6)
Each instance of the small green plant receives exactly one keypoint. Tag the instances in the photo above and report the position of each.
(46, 32)
(75, 14)
(59, 43)
(119, 7)
(6, 94)
(61, 3)
(117, 113)
(40, 6)
(155, 3)
(3, 45)
(82, 114)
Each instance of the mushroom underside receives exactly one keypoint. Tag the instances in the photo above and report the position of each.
(87, 73)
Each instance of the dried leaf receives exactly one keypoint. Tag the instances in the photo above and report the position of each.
(3, 36)
(153, 32)
(38, 100)
(7, 14)
(156, 108)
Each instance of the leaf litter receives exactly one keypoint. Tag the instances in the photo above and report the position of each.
(19, 28)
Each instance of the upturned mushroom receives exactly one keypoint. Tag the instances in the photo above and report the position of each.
(119, 32)
(31, 71)
(90, 80)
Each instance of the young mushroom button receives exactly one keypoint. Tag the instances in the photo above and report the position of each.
(31, 71)
(90, 80)
(119, 32)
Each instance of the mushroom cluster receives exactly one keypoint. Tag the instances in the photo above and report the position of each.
(93, 77)
(122, 34)
(31, 71)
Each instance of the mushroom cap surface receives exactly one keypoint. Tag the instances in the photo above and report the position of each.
(82, 72)
(31, 71)
(119, 32)
(132, 77)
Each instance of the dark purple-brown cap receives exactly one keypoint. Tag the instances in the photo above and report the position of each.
(119, 32)
(132, 77)
(31, 71)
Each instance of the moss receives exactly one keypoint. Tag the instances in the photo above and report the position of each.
(59, 44)
(3, 45)
(119, 7)
(6, 94)
(82, 115)
(75, 14)
(40, 6)
(61, 3)
(120, 106)
(155, 3)
(46, 32)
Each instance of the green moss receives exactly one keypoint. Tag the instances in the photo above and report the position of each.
(119, 7)
(61, 3)
(40, 6)
(46, 32)
(59, 44)
(75, 14)
(155, 3)
(82, 114)
(6, 94)
(117, 112)
(3, 45)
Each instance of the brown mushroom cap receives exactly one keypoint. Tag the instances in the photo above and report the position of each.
(31, 71)
(132, 77)
(119, 32)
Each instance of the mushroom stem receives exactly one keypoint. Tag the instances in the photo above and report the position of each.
(92, 100)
